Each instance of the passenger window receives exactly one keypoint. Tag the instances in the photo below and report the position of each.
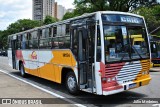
(50, 32)
(34, 35)
(54, 31)
(67, 29)
(59, 30)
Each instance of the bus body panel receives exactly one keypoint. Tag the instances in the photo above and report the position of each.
(46, 64)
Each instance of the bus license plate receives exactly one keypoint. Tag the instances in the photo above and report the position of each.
(132, 85)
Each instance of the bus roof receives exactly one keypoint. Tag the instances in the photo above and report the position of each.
(78, 17)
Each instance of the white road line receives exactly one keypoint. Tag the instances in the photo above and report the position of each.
(40, 88)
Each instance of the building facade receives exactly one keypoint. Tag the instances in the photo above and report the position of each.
(42, 8)
(59, 11)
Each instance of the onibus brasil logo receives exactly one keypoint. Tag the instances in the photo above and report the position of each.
(33, 55)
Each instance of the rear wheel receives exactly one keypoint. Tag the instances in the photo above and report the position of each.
(71, 83)
(22, 71)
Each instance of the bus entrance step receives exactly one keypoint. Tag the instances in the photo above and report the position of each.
(83, 86)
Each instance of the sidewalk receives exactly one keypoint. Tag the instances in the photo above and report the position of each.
(12, 88)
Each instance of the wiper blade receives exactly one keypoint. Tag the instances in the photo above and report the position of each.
(137, 52)
(125, 48)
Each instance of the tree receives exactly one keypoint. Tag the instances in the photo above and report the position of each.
(85, 6)
(68, 15)
(18, 26)
(49, 20)
(151, 15)
(21, 25)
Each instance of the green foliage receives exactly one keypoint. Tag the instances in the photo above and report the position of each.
(18, 26)
(85, 6)
(88, 6)
(151, 15)
(49, 20)
(68, 15)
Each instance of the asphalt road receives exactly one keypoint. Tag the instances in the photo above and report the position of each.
(124, 99)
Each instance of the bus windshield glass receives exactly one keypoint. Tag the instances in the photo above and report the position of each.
(125, 41)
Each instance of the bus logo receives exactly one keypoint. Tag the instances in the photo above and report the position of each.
(33, 55)
(66, 55)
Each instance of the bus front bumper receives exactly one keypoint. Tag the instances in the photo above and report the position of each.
(126, 86)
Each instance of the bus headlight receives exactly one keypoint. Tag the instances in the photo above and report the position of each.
(114, 78)
(144, 72)
(108, 79)
(104, 79)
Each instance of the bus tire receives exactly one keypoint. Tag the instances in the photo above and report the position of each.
(22, 71)
(71, 83)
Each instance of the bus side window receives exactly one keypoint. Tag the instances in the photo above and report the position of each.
(33, 43)
(67, 29)
(63, 30)
(98, 45)
(19, 41)
(54, 31)
(24, 41)
(59, 30)
(50, 32)
(63, 41)
(45, 41)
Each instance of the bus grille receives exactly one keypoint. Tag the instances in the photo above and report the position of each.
(126, 72)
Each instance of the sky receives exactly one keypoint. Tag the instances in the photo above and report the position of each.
(13, 10)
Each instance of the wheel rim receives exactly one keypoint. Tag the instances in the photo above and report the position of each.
(22, 70)
(71, 83)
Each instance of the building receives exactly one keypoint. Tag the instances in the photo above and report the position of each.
(59, 11)
(42, 8)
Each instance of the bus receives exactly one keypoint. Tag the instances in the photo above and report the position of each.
(93, 52)
(155, 52)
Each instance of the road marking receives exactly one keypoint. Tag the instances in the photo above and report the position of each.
(42, 89)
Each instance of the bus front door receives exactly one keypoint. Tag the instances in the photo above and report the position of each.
(83, 58)
(13, 43)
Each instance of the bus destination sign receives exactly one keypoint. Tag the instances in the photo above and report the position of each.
(129, 19)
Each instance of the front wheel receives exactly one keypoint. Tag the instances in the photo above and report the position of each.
(71, 83)
(22, 71)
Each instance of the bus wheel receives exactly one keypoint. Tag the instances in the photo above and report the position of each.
(71, 83)
(22, 71)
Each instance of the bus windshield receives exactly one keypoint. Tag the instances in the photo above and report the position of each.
(125, 43)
